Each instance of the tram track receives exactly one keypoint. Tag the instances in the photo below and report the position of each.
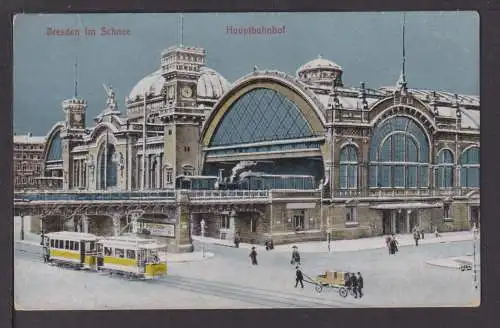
(246, 294)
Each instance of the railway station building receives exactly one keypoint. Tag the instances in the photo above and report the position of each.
(275, 155)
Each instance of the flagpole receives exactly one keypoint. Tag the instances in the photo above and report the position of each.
(106, 162)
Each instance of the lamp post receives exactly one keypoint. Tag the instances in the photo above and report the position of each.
(202, 224)
(22, 226)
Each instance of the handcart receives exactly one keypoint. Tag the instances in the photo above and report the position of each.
(329, 279)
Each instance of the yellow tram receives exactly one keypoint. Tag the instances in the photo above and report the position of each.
(131, 256)
(73, 249)
(125, 255)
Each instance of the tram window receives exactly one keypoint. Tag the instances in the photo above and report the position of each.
(119, 252)
(67, 244)
(77, 245)
(92, 245)
(130, 254)
(72, 245)
(61, 244)
(99, 248)
(52, 243)
(107, 251)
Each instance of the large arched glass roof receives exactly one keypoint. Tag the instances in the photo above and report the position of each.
(261, 115)
(55, 150)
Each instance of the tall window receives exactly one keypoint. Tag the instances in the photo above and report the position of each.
(444, 177)
(469, 171)
(399, 154)
(107, 168)
(349, 167)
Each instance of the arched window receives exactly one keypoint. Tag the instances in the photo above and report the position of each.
(349, 167)
(469, 171)
(261, 115)
(107, 167)
(399, 154)
(444, 178)
(55, 150)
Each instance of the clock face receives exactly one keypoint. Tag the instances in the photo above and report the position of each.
(187, 92)
(171, 92)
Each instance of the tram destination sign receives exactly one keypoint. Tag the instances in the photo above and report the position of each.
(155, 229)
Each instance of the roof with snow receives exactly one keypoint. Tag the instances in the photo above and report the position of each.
(29, 139)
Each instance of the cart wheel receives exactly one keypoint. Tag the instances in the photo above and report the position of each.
(343, 291)
(318, 288)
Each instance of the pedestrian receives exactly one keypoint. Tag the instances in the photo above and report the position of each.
(295, 255)
(422, 233)
(329, 239)
(354, 285)
(347, 280)
(45, 254)
(299, 277)
(436, 233)
(388, 243)
(237, 240)
(416, 236)
(253, 256)
(393, 245)
(360, 285)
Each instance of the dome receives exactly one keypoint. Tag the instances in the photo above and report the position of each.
(152, 83)
(319, 63)
(321, 72)
(211, 84)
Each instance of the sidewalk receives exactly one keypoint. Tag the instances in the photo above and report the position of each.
(454, 262)
(348, 245)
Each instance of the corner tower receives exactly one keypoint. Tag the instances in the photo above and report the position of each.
(181, 69)
(74, 120)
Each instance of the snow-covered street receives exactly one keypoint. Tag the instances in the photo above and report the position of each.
(229, 281)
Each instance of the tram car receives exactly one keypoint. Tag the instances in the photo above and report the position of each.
(72, 249)
(131, 256)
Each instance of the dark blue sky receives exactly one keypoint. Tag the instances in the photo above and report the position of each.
(442, 53)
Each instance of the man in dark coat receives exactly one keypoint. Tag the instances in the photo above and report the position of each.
(416, 236)
(299, 277)
(360, 285)
(347, 280)
(253, 256)
(354, 285)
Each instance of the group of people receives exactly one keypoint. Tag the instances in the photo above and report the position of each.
(354, 283)
(392, 244)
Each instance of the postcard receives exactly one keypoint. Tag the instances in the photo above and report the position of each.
(246, 160)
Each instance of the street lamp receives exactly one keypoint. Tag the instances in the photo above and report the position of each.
(202, 224)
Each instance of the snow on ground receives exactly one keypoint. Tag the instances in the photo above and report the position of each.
(230, 281)
(43, 287)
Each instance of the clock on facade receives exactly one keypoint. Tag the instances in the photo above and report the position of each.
(187, 92)
(171, 92)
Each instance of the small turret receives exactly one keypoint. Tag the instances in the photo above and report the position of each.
(75, 110)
